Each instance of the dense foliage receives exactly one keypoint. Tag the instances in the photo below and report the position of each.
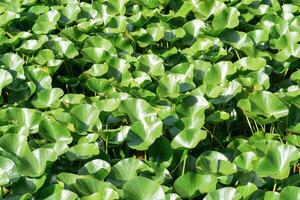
(149, 99)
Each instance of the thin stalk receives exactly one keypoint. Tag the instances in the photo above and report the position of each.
(114, 152)
(175, 168)
(68, 70)
(257, 129)
(106, 145)
(275, 185)
(213, 137)
(281, 140)
(237, 54)
(263, 127)
(286, 71)
(106, 140)
(249, 124)
(272, 129)
(145, 155)
(236, 183)
(184, 162)
(9, 35)
(278, 130)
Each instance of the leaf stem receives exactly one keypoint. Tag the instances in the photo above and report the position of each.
(286, 71)
(106, 139)
(263, 127)
(249, 124)
(237, 54)
(275, 185)
(213, 137)
(257, 129)
(272, 128)
(184, 162)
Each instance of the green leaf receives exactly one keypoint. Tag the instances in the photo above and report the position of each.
(63, 47)
(13, 62)
(188, 139)
(28, 185)
(8, 171)
(295, 76)
(98, 85)
(127, 169)
(213, 162)
(245, 161)
(136, 109)
(47, 97)
(227, 18)
(60, 193)
(84, 117)
(46, 22)
(54, 131)
(151, 64)
(191, 184)
(161, 152)
(44, 56)
(69, 13)
(246, 191)
(88, 186)
(29, 118)
(249, 63)
(95, 54)
(5, 79)
(98, 70)
(276, 162)
(290, 192)
(263, 106)
(141, 188)
(219, 72)
(82, 151)
(144, 132)
(223, 193)
(98, 168)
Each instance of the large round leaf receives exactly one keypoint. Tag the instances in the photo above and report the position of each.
(151, 64)
(188, 139)
(290, 192)
(141, 188)
(223, 193)
(83, 151)
(85, 116)
(47, 97)
(227, 18)
(98, 168)
(263, 106)
(191, 184)
(136, 109)
(5, 79)
(127, 169)
(8, 171)
(46, 22)
(213, 162)
(54, 131)
(276, 162)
